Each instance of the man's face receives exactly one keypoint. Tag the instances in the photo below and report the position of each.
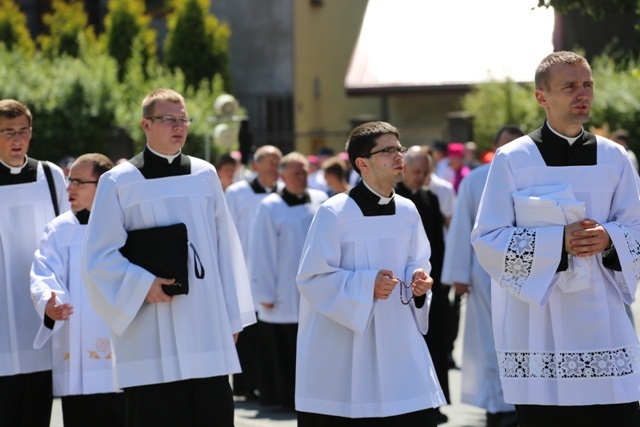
(81, 189)
(567, 100)
(386, 169)
(416, 172)
(295, 178)
(267, 169)
(226, 174)
(14, 149)
(163, 137)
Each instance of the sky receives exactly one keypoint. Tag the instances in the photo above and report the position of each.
(424, 42)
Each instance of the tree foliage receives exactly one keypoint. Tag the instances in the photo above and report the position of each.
(594, 8)
(197, 43)
(67, 21)
(13, 28)
(616, 104)
(495, 104)
(124, 23)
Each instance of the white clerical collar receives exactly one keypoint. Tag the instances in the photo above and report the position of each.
(383, 200)
(164, 156)
(570, 140)
(13, 170)
(264, 187)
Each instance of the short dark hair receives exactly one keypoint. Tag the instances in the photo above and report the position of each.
(510, 129)
(562, 57)
(101, 163)
(335, 166)
(363, 138)
(226, 159)
(10, 109)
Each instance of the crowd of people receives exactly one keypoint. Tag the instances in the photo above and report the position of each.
(326, 284)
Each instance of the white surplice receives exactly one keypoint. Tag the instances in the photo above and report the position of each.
(278, 236)
(191, 336)
(81, 347)
(25, 209)
(557, 348)
(359, 356)
(480, 373)
(243, 204)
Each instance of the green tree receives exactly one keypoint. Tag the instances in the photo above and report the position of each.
(616, 104)
(65, 23)
(13, 28)
(495, 104)
(197, 43)
(594, 8)
(126, 22)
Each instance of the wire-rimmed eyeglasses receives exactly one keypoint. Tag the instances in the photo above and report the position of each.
(388, 150)
(10, 134)
(78, 182)
(171, 120)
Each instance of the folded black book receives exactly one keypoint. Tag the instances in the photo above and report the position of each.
(162, 251)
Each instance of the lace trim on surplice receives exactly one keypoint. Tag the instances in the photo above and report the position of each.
(634, 250)
(518, 260)
(588, 364)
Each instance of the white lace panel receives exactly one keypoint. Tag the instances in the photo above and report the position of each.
(589, 364)
(518, 260)
(634, 249)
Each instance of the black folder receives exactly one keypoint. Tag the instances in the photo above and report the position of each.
(162, 251)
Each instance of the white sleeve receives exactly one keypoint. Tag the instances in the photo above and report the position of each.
(48, 274)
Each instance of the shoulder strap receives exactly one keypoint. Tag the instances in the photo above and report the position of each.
(52, 187)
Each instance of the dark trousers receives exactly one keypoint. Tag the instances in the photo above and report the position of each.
(26, 400)
(95, 410)
(279, 362)
(424, 418)
(246, 383)
(618, 415)
(194, 402)
(437, 337)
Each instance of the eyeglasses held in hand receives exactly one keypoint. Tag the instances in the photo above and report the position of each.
(389, 150)
(10, 134)
(78, 182)
(403, 288)
(171, 120)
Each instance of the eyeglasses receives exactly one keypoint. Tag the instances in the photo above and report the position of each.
(389, 150)
(403, 289)
(78, 182)
(171, 120)
(10, 134)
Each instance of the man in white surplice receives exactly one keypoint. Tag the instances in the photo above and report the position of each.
(567, 351)
(243, 198)
(364, 306)
(171, 351)
(480, 375)
(27, 203)
(80, 341)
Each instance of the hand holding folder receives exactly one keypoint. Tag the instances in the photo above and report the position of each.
(162, 251)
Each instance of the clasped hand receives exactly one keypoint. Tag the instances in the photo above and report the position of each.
(585, 238)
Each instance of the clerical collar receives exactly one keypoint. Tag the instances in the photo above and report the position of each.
(82, 216)
(569, 140)
(13, 170)
(383, 200)
(260, 188)
(294, 199)
(369, 202)
(556, 150)
(164, 156)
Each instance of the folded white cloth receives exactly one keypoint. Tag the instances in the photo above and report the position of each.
(554, 205)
